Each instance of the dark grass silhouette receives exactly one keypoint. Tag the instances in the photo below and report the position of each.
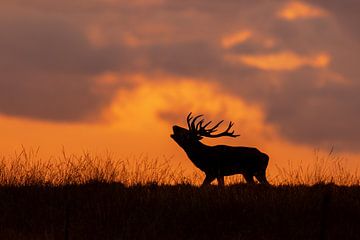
(89, 197)
(220, 160)
(114, 211)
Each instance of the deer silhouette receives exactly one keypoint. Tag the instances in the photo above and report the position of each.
(220, 160)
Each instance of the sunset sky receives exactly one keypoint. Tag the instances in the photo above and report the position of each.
(116, 75)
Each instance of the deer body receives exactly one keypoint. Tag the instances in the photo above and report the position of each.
(220, 160)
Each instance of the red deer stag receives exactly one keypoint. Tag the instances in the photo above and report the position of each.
(220, 160)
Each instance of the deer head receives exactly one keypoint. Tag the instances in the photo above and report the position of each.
(197, 129)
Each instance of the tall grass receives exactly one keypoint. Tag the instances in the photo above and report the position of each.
(324, 168)
(27, 168)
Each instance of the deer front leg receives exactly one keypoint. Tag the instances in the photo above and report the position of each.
(208, 179)
(261, 177)
(249, 178)
(220, 181)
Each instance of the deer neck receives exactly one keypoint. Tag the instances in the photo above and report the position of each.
(195, 152)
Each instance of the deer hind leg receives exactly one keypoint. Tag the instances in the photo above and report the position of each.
(208, 179)
(261, 177)
(220, 181)
(249, 178)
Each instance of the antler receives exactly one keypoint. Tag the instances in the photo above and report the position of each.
(200, 129)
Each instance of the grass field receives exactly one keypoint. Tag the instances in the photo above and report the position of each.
(87, 197)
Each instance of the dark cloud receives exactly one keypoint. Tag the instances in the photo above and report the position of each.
(50, 97)
(47, 66)
(322, 115)
(346, 14)
(191, 58)
(44, 44)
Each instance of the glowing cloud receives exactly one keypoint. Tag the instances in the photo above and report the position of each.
(150, 97)
(298, 10)
(152, 104)
(282, 61)
(231, 40)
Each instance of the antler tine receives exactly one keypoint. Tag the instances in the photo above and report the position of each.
(227, 133)
(229, 127)
(207, 124)
(214, 128)
(207, 132)
(199, 124)
(188, 119)
(193, 127)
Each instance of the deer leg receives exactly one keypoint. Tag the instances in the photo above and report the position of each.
(249, 178)
(220, 180)
(208, 179)
(261, 177)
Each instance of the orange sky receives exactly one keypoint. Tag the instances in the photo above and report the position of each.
(116, 75)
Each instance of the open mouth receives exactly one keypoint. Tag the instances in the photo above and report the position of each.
(175, 130)
(173, 134)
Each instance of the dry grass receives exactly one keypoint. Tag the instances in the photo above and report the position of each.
(323, 169)
(26, 168)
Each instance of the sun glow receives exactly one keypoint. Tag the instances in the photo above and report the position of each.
(142, 105)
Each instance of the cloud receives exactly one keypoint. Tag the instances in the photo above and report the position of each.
(299, 10)
(318, 115)
(171, 99)
(282, 61)
(48, 68)
(233, 39)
